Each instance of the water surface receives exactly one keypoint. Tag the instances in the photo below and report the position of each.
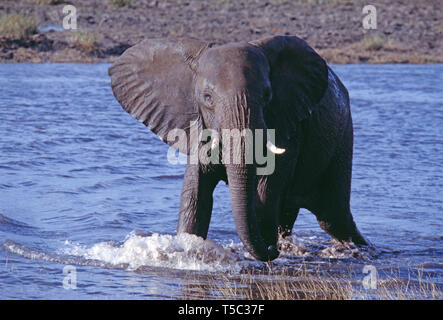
(84, 184)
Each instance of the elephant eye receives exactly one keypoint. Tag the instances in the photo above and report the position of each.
(207, 97)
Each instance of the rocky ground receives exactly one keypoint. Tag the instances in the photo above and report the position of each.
(408, 31)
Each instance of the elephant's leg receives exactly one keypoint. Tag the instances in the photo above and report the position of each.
(287, 220)
(340, 225)
(288, 214)
(276, 209)
(196, 200)
(337, 221)
(331, 201)
(268, 222)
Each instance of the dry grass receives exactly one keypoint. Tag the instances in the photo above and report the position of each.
(280, 288)
(48, 2)
(119, 3)
(377, 49)
(355, 54)
(85, 40)
(307, 285)
(394, 288)
(17, 26)
(372, 42)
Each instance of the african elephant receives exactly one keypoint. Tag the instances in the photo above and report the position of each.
(278, 82)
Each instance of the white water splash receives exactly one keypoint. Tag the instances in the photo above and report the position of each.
(184, 251)
(293, 246)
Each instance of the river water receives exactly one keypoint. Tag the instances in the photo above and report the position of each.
(88, 201)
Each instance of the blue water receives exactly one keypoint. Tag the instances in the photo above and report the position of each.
(83, 184)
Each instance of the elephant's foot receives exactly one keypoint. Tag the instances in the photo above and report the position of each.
(344, 231)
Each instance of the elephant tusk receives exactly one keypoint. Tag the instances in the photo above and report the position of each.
(273, 148)
(214, 143)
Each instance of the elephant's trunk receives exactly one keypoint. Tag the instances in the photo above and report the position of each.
(244, 113)
(242, 180)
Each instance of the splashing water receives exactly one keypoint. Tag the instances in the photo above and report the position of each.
(184, 251)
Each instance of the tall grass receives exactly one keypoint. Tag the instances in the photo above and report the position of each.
(17, 26)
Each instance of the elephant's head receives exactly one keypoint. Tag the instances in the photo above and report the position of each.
(271, 83)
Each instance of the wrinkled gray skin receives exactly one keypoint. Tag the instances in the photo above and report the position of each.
(277, 82)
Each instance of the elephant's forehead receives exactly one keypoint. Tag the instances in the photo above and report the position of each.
(233, 65)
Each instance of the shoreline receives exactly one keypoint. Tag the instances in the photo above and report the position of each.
(408, 31)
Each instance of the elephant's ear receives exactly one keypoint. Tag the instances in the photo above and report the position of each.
(153, 81)
(299, 78)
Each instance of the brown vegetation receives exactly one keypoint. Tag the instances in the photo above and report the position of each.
(17, 26)
(304, 284)
(84, 40)
(408, 31)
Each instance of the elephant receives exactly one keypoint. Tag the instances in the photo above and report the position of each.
(278, 83)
